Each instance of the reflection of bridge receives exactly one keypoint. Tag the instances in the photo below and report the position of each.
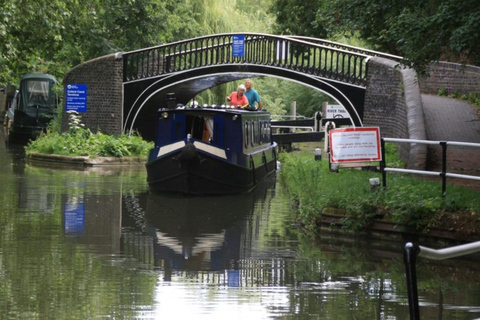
(126, 89)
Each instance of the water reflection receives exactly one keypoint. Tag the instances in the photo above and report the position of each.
(78, 244)
(178, 233)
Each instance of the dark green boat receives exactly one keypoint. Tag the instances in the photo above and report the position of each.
(33, 107)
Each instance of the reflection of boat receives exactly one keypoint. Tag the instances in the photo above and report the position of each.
(211, 150)
(194, 233)
(33, 107)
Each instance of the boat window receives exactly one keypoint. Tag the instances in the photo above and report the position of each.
(246, 135)
(266, 131)
(254, 131)
(200, 127)
(261, 124)
(16, 100)
(207, 129)
(37, 92)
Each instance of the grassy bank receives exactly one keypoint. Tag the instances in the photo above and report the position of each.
(408, 200)
(78, 141)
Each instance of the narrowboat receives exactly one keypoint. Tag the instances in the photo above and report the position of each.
(210, 150)
(33, 106)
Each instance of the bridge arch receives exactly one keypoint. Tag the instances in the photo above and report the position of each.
(190, 66)
(383, 94)
(187, 84)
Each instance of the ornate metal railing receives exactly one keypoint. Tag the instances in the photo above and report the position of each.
(257, 49)
(346, 47)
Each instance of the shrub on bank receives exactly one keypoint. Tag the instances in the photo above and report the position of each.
(78, 141)
(408, 200)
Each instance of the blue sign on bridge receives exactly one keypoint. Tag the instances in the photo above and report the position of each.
(238, 46)
(76, 97)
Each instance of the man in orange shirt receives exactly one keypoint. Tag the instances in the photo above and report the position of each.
(238, 98)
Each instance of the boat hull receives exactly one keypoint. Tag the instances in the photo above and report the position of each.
(206, 174)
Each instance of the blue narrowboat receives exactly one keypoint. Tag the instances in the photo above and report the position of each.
(211, 150)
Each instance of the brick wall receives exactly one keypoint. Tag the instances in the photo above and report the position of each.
(393, 103)
(453, 77)
(103, 77)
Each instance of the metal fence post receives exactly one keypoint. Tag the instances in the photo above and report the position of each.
(383, 164)
(444, 167)
(410, 259)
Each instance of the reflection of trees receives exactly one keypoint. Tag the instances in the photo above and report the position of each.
(43, 274)
(369, 277)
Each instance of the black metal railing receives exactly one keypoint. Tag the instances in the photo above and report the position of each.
(412, 251)
(349, 48)
(258, 49)
(443, 174)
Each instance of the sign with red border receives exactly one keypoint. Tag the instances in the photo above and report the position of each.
(355, 144)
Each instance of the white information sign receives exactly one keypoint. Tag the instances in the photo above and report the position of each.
(355, 144)
(336, 111)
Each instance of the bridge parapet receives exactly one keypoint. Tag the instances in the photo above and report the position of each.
(316, 59)
(349, 48)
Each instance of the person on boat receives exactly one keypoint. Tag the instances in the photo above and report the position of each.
(238, 98)
(252, 95)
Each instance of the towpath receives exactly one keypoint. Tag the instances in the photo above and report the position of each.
(448, 119)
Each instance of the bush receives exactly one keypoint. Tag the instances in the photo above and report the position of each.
(78, 141)
(443, 92)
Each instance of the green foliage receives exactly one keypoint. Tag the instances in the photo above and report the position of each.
(415, 202)
(392, 157)
(397, 27)
(55, 35)
(443, 92)
(296, 18)
(472, 98)
(78, 141)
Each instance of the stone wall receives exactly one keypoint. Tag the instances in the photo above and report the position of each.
(393, 103)
(453, 77)
(104, 79)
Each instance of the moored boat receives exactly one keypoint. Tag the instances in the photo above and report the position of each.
(211, 150)
(34, 105)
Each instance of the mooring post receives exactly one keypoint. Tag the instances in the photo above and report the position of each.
(410, 259)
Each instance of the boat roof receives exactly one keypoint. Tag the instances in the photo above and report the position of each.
(39, 76)
(219, 109)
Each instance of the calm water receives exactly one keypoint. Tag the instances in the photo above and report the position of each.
(97, 245)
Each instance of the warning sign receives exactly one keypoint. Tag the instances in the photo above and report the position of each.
(336, 111)
(355, 144)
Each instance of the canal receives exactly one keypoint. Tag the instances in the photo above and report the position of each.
(96, 244)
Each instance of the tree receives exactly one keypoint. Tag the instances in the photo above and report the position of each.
(52, 36)
(421, 31)
(296, 18)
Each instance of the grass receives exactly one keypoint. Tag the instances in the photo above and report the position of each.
(418, 203)
(78, 141)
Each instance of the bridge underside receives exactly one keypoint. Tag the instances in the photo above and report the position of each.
(143, 98)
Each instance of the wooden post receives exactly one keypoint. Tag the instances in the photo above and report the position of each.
(293, 113)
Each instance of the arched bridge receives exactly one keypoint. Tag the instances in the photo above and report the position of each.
(191, 66)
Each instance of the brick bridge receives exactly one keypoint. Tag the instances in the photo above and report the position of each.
(124, 90)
